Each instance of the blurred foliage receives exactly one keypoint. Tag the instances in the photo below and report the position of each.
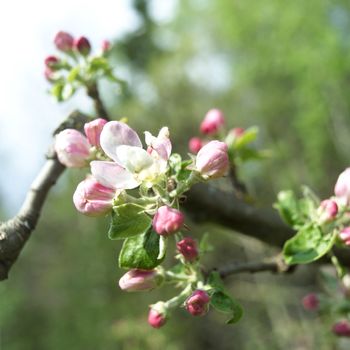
(283, 66)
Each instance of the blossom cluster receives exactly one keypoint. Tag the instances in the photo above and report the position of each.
(119, 165)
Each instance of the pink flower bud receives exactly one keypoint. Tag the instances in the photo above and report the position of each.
(237, 132)
(345, 235)
(342, 328)
(167, 220)
(157, 315)
(106, 45)
(64, 41)
(72, 148)
(310, 302)
(188, 248)
(195, 144)
(93, 199)
(93, 131)
(198, 303)
(212, 160)
(82, 45)
(49, 74)
(327, 210)
(212, 122)
(52, 62)
(342, 187)
(140, 280)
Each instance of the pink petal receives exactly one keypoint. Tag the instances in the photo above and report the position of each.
(112, 175)
(115, 134)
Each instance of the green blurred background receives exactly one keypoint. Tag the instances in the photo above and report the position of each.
(281, 65)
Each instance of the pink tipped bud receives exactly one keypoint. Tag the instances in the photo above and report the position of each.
(198, 303)
(64, 41)
(345, 235)
(212, 122)
(342, 187)
(93, 199)
(237, 132)
(310, 302)
(167, 220)
(342, 328)
(52, 62)
(157, 315)
(188, 248)
(93, 131)
(195, 144)
(82, 45)
(106, 45)
(327, 210)
(72, 148)
(212, 160)
(49, 74)
(140, 280)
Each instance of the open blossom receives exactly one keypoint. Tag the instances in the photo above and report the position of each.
(198, 303)
(195, 144)
(212, 160)
(140, 280)
(157, 315)
(64, 41)
(72, 148)
(167, 220)
(345, 235)
(188, 248)
(93, 131)
(93, 199)
(342, 187)
(212, 122)
(131, 164)
(342, 328)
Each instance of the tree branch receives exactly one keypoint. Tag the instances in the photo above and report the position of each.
(15, 232)
(94, 94)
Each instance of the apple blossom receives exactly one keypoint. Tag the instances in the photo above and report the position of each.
(51, 62)
(342, 187)
(195, 144)
(212, 122)
(188, 248)
(82, 45)
(64, 41)
(72, 148)
(310, 302)
(131, 164)
(106, 45)
(345, 235)
(93, 131)
(167, 220)
(212, 160)
(157, 315)
(198, 303)
(327, 210)
(140, 280)
(93, 199)
(342, 328)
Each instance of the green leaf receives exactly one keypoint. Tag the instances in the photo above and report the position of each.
(204, 245)
(57, 90)
(73, 74)
(215, 281)
(175, 162)
(141, 252)
(308, 245)
(224, 303)
(98, 63)
(128, 220)
(248, 137)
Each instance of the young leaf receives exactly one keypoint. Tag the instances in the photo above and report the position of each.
(140, 252)
(249, 136)
(224, 303)
(128, 220)
(215, 281)
(308, 245)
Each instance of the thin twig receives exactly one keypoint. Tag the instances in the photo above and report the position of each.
(93, 92)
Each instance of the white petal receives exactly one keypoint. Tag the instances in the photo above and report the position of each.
(112, 175)
(134, 159)
(115, 134)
